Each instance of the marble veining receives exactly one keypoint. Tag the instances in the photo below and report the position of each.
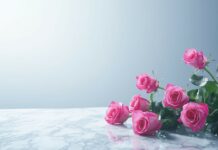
(84, 129)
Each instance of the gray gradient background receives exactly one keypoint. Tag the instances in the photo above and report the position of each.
(78, 53)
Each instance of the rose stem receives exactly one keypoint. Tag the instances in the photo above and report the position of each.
(151, 100)
(161, 88)
(213, 112)
(207, 70)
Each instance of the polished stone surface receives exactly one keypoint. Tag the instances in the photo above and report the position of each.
(84, 129)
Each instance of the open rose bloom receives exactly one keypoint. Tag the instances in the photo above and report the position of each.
(147, 83)
(117, 113)
(145, 123)
(139, 103)
(195, 58)
(194, 115)
(175, 97)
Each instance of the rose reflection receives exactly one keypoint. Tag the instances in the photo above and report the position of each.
(117, 134)
(145, 143)
(121, 134)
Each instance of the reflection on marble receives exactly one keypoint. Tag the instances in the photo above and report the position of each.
(83, 129)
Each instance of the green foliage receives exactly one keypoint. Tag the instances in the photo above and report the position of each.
(211, 87)
(193, 94)
(198, 80)
(213, 117)
(168, 116)
(214, 128)
(208, 94)
(167, 113)
(169, 124)
(169, 119)
(157, 107)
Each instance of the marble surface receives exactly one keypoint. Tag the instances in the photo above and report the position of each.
(84, 129)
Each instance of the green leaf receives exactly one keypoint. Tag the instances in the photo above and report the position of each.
(152, 103)
(214, 128)
(213, 116)
(168, 118)
(157, 107)
(198, 80)
(193, 94)
(212, 101)
(210, 94)
(169, 124)
(201, 95)
(211, 86)
(167, 113)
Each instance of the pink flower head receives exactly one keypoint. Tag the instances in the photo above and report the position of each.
(195, 58)
(147, 83)
(145, 123)
(139, 103)
(117, 113)
(194, 115)
(175, 97)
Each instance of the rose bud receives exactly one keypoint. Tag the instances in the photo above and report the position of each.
(117, 113)
(139, 103)
(195, 58)
(147, 83)
(194, 115)
(145, 123)
(175, 97)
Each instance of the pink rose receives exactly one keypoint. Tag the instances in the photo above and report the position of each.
(145, 123)
(195, 58)
(139, 103)
(194, 115)
(175, 97)
(146, 82)
(117, 113)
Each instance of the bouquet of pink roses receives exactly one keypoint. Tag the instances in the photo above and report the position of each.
(196, 109)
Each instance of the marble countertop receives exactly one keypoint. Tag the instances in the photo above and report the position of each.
(83, 129)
